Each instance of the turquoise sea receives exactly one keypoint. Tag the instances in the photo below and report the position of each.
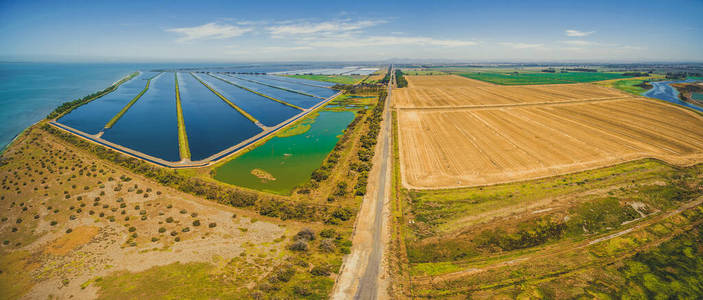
(30, 91)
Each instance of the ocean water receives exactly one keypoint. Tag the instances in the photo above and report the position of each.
(30, 91)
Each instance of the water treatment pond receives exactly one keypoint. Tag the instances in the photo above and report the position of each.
(211, 124)
(282, 163)
(150, 126)
(283, 95)
(313, 90)
(265, 110)
(92, 117)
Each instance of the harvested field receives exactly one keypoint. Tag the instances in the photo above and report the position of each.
(482, 145)
(455, 91)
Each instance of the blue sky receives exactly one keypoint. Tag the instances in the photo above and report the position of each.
(352, 30)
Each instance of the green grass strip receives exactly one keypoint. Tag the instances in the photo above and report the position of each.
(260, 94)
(183, 147)
(241, 111)
(278, 87)
(124, 109)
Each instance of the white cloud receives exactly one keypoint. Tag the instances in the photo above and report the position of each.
(579, 43)
(321, 28)
(390, 41)
(522, 45)
(209, 31)
(571, 32)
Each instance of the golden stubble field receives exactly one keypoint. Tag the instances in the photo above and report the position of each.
(457, 132)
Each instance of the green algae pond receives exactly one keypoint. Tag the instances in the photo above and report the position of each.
(288, 159)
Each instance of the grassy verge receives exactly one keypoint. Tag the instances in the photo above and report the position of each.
(260, 94)
(343, 79)
(559, 226)
(241, 111)
(131, 102)
(183, 147)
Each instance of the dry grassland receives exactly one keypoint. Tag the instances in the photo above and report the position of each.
(488, 145)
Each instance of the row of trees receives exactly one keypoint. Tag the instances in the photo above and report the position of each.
(400, 80)
(71, 105)
(367, 143)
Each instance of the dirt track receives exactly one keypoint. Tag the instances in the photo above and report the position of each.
(490, 145)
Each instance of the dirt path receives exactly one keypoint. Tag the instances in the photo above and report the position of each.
(363, 271)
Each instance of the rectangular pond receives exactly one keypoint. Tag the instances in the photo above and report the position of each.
(150, 126)
(283, 95)
(317, 91)
(92, 117)
(211, 124)
(300, 80)
(267, 111)
(283, 163)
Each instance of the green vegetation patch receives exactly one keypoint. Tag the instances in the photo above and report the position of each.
(299, 128)
(632, 86)
(442, 232)
(343, 79)
(176, 281)
(541, 78)
(697, 96)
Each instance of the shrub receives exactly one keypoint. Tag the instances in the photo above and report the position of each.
(284, 273)
(162, 230)
(328, 233)
(298, 245)
(169, 220)
(327, 245)
(322, 270)
(196, 223)
(132, 229)
(212, 225)
(342, 213)
(306, 235)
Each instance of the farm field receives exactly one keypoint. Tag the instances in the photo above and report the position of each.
(482, 145)
(541, 78)
(455, 91)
